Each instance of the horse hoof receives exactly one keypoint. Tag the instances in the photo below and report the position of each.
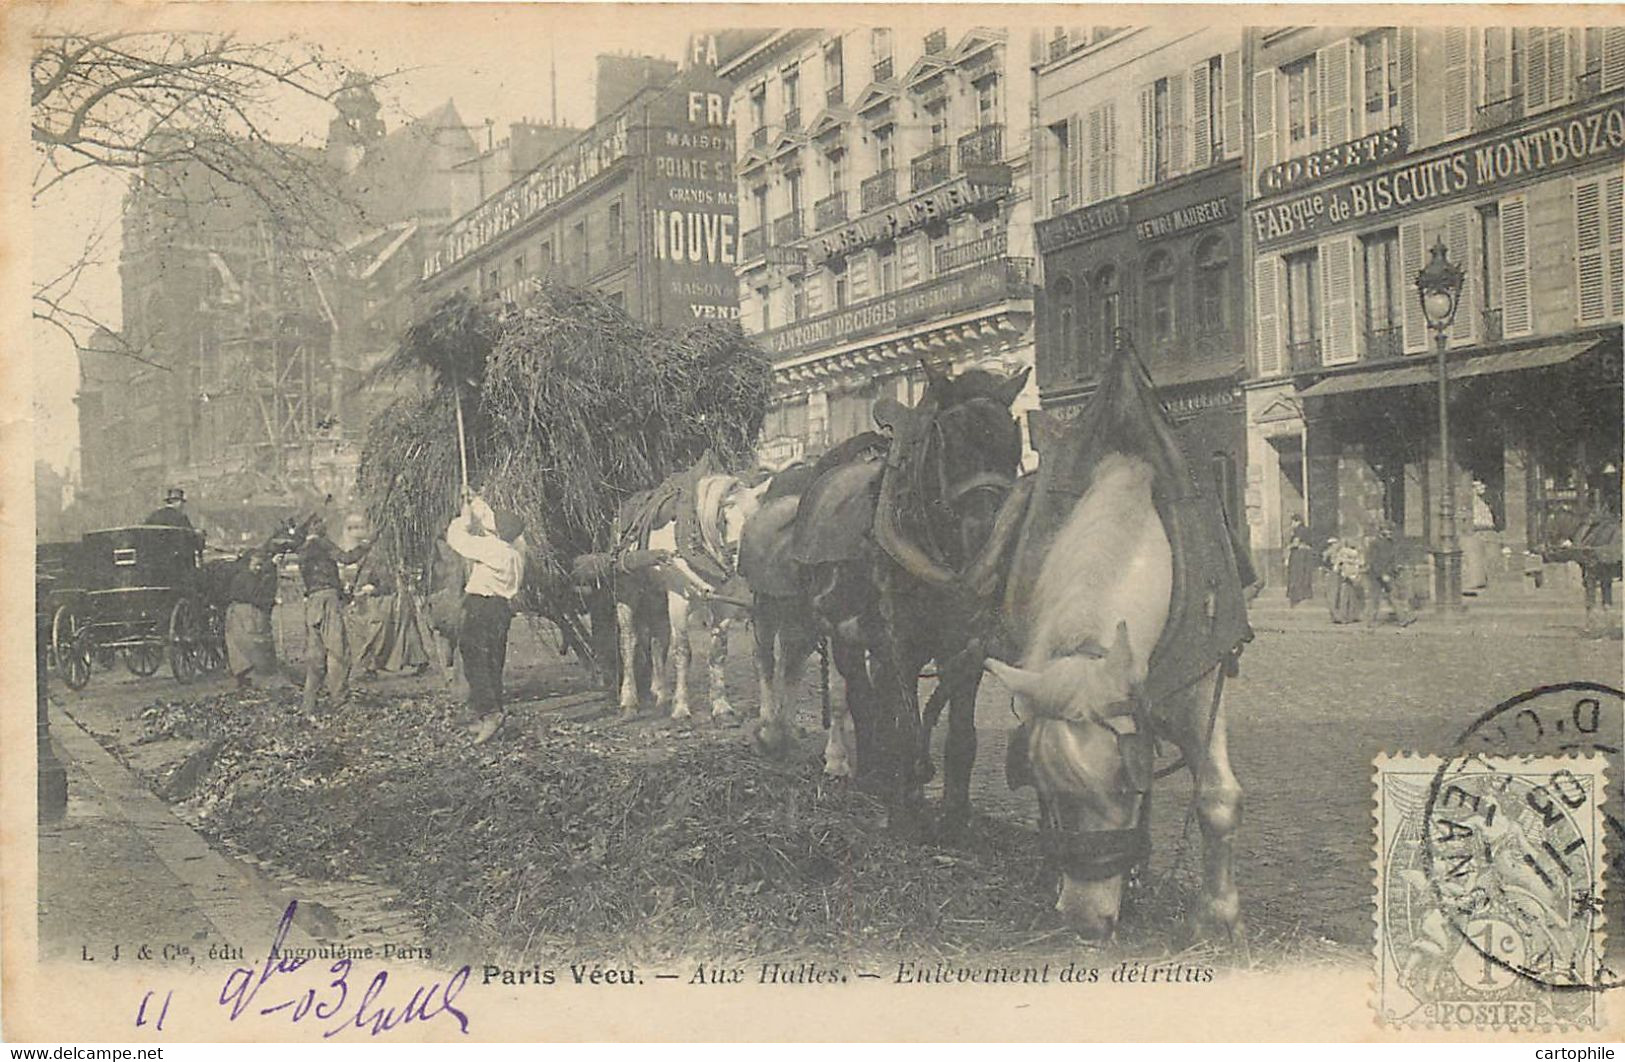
(771, 740)
(681, 712)
(839, 769)
(723, 714)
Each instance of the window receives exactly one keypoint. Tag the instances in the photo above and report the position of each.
(792, 91)
(1159, 287)
(758, 196)
(938, 244)
(880, 47)
(886, 274)
(834, 74)
(840, 292)
(1064, 318)
(764, 300)
(617, 230)
(883, 149)
(758, 107)
(1490, 280)
(1599, 217)
(987, 102)
(582, 255)
(1108, 307)
(1379, 54)
(1212, 268)
(792, 187)
(835, 170)
(1061, 175)
(936, 116)
(1215, 109)
(1303, 302)
(798, 298)
(519, 267)
(545, 257)
(1384, 291)
(1159, 130)
(1302, 105)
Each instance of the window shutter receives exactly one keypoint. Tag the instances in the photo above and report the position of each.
(1458, 237)
(1517, 316)
(1496, 48)
(1177, 133)
(1413, 325)
(908, 261)
(1613, 58)
(1264, 135)
(1110, 123)
(1268, 289)
(1097, 156)
(1534, 77)
(1201, 136)
(1231, 140)
(857, 276)
(1332, 70)
(1075, 155)
(1148, 137)
(1590, 245)
(1337, 301)
(815, 293)
(1614, 215)
(1560, 78)
(1457, 81)
(1407, 80)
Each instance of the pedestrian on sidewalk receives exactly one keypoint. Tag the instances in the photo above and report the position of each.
(1348, 579)
(1300, 564)
(494, 544)
(327, 648)
(251, 595)
(1384, 581)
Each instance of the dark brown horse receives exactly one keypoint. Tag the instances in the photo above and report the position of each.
(870, 550)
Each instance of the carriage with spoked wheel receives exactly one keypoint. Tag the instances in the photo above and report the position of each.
(139, 593)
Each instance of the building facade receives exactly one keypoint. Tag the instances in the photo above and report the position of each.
(641, 206)
(885, 218)
(1367, 146)
(1138, 174)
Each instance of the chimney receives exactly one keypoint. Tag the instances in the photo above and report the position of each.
(620, 77)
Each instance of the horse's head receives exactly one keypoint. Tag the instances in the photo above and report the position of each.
(962, 454)
(1090, 759)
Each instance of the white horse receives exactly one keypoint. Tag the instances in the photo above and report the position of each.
(1102, 601)
(652, 603)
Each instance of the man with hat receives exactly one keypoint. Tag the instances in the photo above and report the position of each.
(173, 512)
(1384, 582)
(494, 545)
(327, 647)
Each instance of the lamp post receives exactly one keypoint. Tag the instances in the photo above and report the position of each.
(1438, 286)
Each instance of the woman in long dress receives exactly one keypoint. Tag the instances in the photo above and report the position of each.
(1300, 563)
(250, 648)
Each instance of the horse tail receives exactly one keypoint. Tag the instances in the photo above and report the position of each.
(823, 676)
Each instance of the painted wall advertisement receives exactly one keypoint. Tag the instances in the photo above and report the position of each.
(693, 203)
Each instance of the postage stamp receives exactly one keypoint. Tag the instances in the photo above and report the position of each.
(1489, 883)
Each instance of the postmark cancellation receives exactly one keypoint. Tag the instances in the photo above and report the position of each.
(1489, 878)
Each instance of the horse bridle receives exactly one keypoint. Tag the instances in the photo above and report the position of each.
(950, 496)
(1097, 855)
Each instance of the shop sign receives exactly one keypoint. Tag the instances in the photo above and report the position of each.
(990, 183)
(692, 196)
(1195, 216)
(1545, 150)
(1364, 153)
(601, 147)
(1084, 223)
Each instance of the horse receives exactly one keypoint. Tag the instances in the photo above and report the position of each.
(876, 543)
(1590, 537)
(1124, 602)
(677, 550)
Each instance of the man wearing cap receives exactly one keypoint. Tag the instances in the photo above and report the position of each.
(327, 648)
(173, 512)
(494, 545)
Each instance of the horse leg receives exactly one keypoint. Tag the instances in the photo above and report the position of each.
(626, 624)
(765, 631)
(1218, 802)
(849, 717)
(716, 663)
(658, 631)
(959, 755)
(796, 641)
(682, 653)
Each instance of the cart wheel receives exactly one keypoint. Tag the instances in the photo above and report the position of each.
(211, 646)
(182, 642)
(70, 645)
(144, 660)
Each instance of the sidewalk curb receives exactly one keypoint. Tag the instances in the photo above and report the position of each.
(227, 895)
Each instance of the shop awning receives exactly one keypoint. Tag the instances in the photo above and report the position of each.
(1422, 371)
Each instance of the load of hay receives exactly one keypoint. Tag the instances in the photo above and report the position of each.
(570, 406)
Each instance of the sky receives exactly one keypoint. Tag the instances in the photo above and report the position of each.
(493, 61)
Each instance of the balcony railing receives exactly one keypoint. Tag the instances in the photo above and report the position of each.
(1498, 113)
(792, 119)
(933, 167)
(1304, 354)
(878, 191)
(758, 136)
(883, 69)
(1058, 47)
(835, 95)
(984, 145)
(830, 210)
(787, 229)
(1492, 325)
(1384, 344)
(971, 252)
(936, 42)
(752, 244)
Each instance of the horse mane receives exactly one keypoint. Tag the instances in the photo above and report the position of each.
(710, 495)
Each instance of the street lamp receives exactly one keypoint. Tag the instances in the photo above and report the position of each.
(1439, 288)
